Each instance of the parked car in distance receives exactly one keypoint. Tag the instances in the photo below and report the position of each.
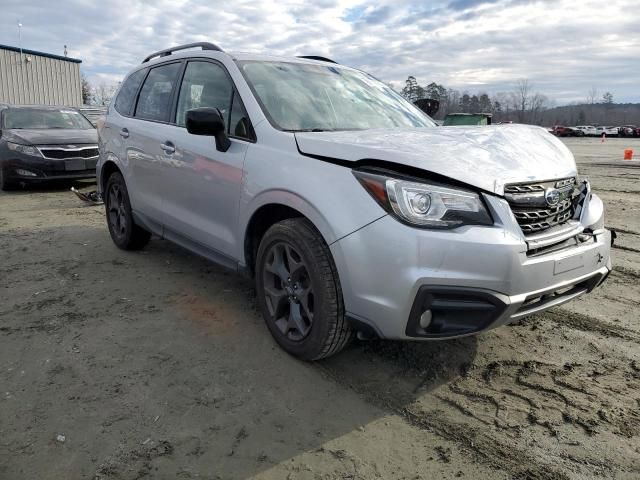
(629, 131)
(467, 119)
(609, 131)
(350, 209)
(588, 130)
(562, 131)
(43, 143)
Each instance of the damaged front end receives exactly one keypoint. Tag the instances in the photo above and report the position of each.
(556, 215)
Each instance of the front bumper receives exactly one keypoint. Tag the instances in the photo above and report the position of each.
(384, 266)
(44, 169)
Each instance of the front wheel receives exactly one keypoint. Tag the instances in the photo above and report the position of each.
(299, 292)
(124, 231)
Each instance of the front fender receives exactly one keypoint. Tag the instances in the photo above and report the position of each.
(288, 199)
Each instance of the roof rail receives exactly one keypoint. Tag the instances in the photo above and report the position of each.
(316, 57)
(169, 51)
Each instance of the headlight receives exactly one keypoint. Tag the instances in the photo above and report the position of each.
(422, 204)
(25, 149)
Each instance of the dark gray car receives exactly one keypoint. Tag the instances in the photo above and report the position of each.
(42, 143)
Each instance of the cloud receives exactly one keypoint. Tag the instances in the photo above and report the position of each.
(563, 47)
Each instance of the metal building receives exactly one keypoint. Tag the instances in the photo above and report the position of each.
(31, 77)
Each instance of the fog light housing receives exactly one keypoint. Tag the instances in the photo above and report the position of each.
(25, 173)
(425, 319)
(444, 312)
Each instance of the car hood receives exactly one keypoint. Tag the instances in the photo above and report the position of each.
(51, 137)
(487, 157)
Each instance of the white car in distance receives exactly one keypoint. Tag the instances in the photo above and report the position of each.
(609, 131)
(589, 130)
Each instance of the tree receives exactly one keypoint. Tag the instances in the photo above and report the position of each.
(86, 91)
(521, 98)
(582, 118)
(465, 103)
(607, 98)
(452, 104)
(103, 93)
(436, 92)
(537, 103)
(484, 103)
(502, 107)
(592, 96)
(412, 91)
(474, 104)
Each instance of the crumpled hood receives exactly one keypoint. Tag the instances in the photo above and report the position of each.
(487, 157)
(56, 136)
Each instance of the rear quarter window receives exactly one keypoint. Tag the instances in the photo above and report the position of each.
(127, 95)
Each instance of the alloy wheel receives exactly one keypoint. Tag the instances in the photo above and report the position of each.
(288, 291)
(117, 210)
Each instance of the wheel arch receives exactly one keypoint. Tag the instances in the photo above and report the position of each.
(108, 168)
(273, 208)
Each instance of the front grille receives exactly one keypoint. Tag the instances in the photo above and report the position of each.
(64, 153)
(530, 203)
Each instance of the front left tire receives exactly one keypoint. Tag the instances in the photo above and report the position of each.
(299, 293)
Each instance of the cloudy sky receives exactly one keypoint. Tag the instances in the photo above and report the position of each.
(563, 47)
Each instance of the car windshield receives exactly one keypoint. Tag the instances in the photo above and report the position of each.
(305, 97)
(33, 118)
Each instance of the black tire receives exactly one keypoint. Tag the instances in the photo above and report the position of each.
(124, 231)
(313, 287)
(5, 184)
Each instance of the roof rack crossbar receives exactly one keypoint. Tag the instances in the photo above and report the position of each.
(169, 51)
(317, 57)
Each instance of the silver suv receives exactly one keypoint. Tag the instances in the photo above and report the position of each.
(352, 210)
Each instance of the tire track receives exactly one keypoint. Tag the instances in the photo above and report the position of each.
(584, 323)
(485, 448)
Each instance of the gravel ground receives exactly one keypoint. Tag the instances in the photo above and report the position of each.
(118, 365)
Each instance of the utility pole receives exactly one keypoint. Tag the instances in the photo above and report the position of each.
(20, 40)
(21, 58)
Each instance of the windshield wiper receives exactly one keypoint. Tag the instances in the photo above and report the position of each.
(313, 130)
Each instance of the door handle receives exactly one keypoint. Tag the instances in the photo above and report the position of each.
(124, 133)
(168, 147)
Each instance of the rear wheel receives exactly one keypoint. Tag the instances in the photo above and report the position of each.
(124, 231)
(299, 291)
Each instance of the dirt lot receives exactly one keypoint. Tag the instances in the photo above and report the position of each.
(156, 364)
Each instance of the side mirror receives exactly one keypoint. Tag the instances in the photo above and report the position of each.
(208, 121)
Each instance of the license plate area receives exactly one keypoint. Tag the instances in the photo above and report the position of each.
(568, 263)
(74, 164)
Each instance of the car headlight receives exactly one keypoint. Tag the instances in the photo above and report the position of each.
(422, 204)
(24, 149)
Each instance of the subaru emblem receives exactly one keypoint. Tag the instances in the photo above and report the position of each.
(552, 197)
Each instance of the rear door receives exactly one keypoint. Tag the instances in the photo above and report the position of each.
(147, 132)
(113, 133)
(201, 184)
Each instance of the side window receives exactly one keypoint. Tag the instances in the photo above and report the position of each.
(204, 84)
(238, 119)
(154, 102)
(127, 95)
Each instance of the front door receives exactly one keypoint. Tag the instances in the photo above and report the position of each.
(201, 185)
